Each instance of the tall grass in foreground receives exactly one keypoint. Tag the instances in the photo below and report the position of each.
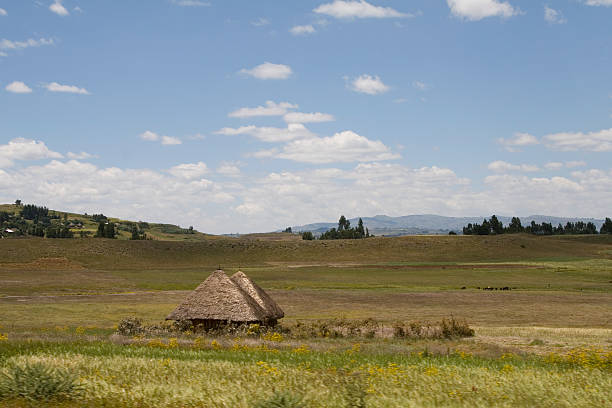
(154, 376)
(37, 382)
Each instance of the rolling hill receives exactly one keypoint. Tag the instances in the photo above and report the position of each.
(87, 225)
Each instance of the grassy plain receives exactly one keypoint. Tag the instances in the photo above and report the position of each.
(546, 342)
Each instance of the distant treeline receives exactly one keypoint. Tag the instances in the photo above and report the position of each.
(493, 226)
(344, 231)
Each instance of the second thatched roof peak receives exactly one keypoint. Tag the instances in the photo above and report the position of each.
(258, 294)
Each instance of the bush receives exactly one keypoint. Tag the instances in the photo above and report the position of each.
(281, 400)
(183, 326)
(446, 329)
(307, 236)
(38, 382)
(130, 326)
(452, 328)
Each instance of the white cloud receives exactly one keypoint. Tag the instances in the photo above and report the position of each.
(30, 42)
(263, 154)
(79, 156)
(18, 87)
(271, 108)
(575, 163)
(517, 141)
(154, 137)
(55, 87)
(606, 3)
(553, 165)
(474, 10)
(600, 141)
(267, 70)
(568, 164)
(547, 194)
(302, 29)
(357, 9)
(149, 136)
(249, 209)
(260, 22)
(369, 188)
(270, 134)
(3, 12)
(191, 3)
(25, 149)
(501, 166)
(229, 169)
(58, 8)
(169, 140)
(197, 136)
(301, 117)
(421, 86)
(342, 147)
(368, 84)
(189, 171)
(554, 16)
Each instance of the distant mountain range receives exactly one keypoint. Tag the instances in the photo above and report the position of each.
(431, 224)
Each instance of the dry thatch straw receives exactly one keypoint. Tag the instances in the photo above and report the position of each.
(259, 295)
(220, 299)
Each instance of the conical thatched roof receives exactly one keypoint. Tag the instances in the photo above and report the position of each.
(257, 293)
(219, 298)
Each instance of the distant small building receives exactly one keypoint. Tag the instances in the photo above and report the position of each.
(9, 231)
(222, 300)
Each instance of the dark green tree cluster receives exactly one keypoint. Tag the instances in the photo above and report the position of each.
(58, 231)
(106, 230)
(345, 231)
(606, 228)
(33, 212)
(571, 228)
(137, 233)
(493, 226)
(307, 236)
(99, 217)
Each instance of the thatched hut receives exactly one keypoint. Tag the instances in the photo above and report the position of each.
(221, 300)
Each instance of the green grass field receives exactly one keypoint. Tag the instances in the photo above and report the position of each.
(546, 342)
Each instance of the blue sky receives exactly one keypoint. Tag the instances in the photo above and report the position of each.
(238, 116)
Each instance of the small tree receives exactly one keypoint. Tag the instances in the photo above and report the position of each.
(18, 203)
(307, 236)
(606, 227)
(515, 226)
(343, 223)
(109, 230)
(288, 229)
(100, 231)
(496, 226)
(360, 229)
